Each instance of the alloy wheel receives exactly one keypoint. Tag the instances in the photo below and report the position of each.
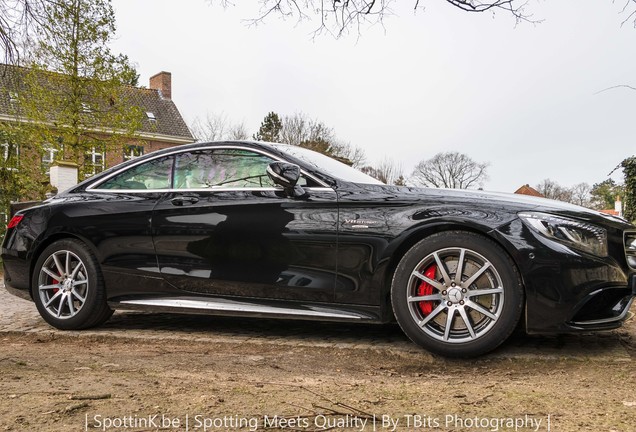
(63, 284)
(455, 295)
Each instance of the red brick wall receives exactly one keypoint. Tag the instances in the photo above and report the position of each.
(156, 145)
(162, 81)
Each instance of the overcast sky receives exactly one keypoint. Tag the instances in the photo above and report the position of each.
(525, 98)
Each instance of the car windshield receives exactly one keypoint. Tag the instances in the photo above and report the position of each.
(327, 165)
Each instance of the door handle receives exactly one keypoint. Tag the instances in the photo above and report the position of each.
(184, 200)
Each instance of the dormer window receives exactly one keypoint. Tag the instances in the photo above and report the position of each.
(151, 116)
(13, 96)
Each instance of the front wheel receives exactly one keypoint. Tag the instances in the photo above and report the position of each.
(68, 287)
(457, 294)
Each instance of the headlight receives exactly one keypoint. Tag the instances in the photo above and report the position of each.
(575, 234)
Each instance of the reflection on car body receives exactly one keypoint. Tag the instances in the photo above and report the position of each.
(270, 230)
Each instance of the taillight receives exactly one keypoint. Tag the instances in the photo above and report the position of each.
(15, 220)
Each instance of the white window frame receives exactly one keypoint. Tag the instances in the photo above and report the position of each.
(129, 151)
(51, 152)
(5, 155)
(91, 164)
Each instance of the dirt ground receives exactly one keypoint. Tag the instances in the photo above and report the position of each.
(77, 382)
(70, 383)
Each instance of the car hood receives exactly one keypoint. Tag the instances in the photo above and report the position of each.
(492, 201)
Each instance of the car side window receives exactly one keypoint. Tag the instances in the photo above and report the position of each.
(222, 168)
(154, 174)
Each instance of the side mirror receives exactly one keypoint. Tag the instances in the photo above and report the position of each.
(286, 175)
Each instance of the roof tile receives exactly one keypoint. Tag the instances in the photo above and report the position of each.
(168, 119)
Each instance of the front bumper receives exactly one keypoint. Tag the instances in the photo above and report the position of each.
(570, 291)
(605, 309)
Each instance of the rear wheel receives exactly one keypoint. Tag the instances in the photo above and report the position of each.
(68, 287)
(457, 294)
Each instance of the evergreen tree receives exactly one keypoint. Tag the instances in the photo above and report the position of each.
(604, 194)
(270, 128)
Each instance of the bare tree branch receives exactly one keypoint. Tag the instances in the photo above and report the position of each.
(217, 127)
(348, 152)
(615, 87)
(581, 194)
(631, 15)
(450, 170)
(387, 171)
(552, 190)
(338, 17)
(238, 132)
(18, 20)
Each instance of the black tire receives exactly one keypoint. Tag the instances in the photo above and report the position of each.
(68, 287)
(457, 317)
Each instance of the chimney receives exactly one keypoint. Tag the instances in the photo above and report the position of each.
(618, 206)
(162, 82)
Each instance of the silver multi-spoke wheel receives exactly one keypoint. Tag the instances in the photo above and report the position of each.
(68, 287)
(63, 284)
(455, 295)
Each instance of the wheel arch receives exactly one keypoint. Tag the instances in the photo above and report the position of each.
(447, 337)
(412, 238)
(47, 242)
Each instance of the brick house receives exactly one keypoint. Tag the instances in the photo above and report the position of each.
(161, 127)
(529, 190)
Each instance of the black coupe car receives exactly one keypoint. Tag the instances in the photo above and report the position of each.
(271, 230)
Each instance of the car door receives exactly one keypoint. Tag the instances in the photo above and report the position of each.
(226, 229)
(118, 213)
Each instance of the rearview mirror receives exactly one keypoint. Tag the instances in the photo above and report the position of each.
(286, 175)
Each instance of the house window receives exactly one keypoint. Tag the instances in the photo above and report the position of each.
(93, 162)
(151, 116)
(133, 152)
(86, 107)
(48, 157)
(13, 97)
(10, 154)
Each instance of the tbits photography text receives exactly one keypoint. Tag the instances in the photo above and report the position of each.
(318, 422)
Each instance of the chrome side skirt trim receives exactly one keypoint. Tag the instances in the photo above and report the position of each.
(226, 306)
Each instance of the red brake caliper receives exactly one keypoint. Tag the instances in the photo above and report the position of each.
(427, 289)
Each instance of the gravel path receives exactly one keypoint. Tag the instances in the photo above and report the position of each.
(20, 316)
